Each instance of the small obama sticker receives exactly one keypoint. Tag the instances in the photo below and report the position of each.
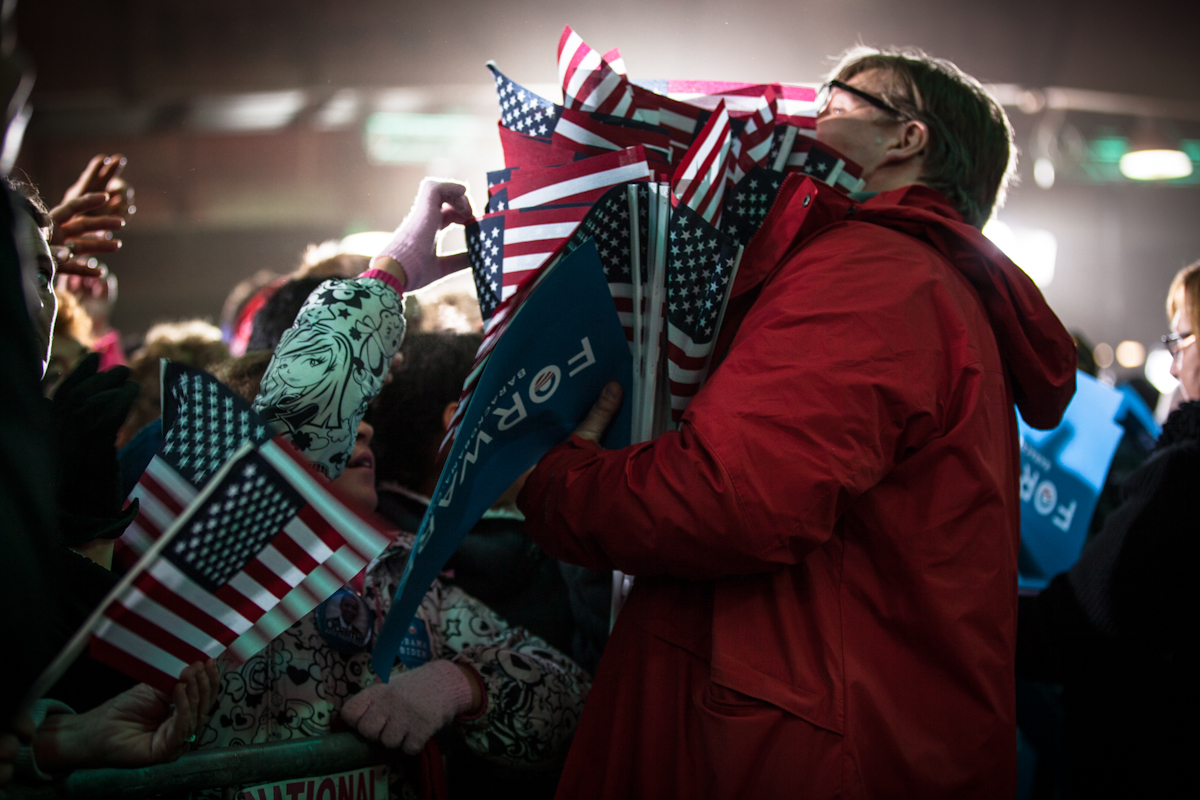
(345, 621)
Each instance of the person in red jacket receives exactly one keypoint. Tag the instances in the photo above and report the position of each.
(826, 549)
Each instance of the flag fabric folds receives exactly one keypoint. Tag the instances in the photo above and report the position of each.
(204, 422)
(259, 536)
(506, 247)
(699, 181)
(237, 538)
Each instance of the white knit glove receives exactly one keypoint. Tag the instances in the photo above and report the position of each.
(414, 244)
(412, 707)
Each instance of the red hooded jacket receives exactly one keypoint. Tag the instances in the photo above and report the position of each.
(826, 549)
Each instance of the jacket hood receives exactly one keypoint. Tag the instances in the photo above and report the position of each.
(1037, 350)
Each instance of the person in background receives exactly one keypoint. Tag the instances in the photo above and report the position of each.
(496, 562)
(240, 312)
(1118, 630)
(242, 303)
(279, 311)
(193, 342)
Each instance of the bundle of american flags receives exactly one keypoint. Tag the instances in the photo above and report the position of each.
(671, 178)
(236, 538)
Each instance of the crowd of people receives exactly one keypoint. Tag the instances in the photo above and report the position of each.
(825, 551)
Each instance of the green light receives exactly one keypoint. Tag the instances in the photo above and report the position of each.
(408, 138)
(1191, 147)
(1109, 149)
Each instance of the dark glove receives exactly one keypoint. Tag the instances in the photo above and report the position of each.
(87, 411)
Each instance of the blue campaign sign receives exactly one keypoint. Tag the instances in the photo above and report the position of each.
(547, 370)
(1062, 473)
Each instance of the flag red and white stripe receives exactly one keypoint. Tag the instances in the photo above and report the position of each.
(521, 242)
(582, 181)
(699, 181)
(753, 144)
(590, 133)
(588, 82)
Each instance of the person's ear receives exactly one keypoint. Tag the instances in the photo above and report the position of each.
(448, 414)
(911, 143)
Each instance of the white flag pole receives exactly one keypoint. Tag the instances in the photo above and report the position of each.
(785, 148)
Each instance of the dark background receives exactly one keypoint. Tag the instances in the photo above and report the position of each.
(140, 76)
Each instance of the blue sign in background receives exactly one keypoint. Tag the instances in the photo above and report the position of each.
(1062, 474)
(539, 382)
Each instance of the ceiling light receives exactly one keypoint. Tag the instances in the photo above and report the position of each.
(1154, 156)
(1103, 353)
(1131, 354)
(1156, 165)
(1043, 173)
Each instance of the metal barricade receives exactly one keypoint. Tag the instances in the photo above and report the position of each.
(227, 768)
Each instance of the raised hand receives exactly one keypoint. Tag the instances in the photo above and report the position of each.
(92, 208)
(411, 255)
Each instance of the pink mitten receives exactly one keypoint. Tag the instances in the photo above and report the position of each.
(414, 244)
(412, 707)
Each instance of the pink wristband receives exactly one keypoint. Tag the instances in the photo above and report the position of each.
(386, 277)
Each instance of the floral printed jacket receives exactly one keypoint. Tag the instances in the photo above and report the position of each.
(330, 365)
(294, 688)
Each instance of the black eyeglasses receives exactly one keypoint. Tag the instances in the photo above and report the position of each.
(1177, 341)
(826, 92)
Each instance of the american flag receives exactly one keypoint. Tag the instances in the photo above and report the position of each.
(204, 422)
(530, 151)
(797, 104)
(588, 81)
(756, 139)
(507, 247)
(261, 545)
(699, 181)
(593, 133)
(748, 202)
(613, 59)
(582, 181)
(569, 130)
(608, 222)
(680, 120)
(810, 157)
(700, 264)
(524, 111)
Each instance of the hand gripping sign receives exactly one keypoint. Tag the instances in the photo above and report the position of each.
(547, 370)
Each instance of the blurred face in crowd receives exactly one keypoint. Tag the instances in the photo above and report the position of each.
(1186, 364)
(357, 481)
(35, 252)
